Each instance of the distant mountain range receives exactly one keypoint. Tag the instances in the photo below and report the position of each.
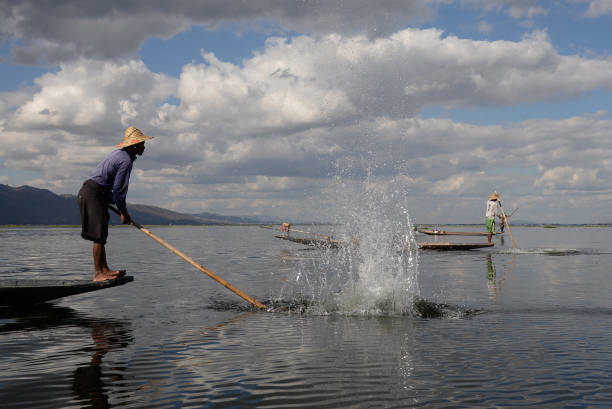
(30, 205)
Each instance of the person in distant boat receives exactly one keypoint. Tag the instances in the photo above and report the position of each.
(286, 227)
(493, 209)
(108, 184)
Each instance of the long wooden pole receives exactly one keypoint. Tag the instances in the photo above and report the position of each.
(195, 264)
(507, 224)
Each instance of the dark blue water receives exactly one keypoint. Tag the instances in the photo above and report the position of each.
(540, 337)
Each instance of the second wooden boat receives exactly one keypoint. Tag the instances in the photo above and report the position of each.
(328, 243)
(20, 292)
(454, 233)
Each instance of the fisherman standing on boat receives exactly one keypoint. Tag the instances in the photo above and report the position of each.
(286, 227)
(108, 184)
(493, 206)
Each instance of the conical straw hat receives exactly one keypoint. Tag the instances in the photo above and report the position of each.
(132, 136)
(494, 195)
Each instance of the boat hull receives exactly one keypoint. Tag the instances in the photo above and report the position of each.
(18, 292)
(328, 243)
(454, 233)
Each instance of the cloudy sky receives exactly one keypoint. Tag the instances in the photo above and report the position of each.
(279, 107)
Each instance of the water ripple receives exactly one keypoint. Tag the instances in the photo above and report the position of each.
(536, 334)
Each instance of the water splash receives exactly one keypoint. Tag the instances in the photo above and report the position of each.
(378, 273)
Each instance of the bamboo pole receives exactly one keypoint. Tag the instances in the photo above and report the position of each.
(507, 224)
(195, 264)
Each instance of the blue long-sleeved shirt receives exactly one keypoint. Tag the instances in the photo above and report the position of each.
(113, 173)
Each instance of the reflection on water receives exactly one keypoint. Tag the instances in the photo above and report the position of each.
(495, 282)
(491, 277)
(67, 335)
(490, 268)
(538, 335)
(88, 381)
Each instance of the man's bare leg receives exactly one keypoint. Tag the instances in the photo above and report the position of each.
(101, 270)
(490, 236)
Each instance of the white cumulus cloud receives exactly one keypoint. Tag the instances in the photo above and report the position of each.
(273, 130)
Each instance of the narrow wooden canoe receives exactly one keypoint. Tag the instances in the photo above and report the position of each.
(329, 243)
(454, 233)
(32, 291)
(424, 245)
(452, 246)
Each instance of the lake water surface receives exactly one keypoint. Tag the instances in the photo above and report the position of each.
(524, 328)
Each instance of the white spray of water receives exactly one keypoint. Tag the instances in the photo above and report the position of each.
(378, 273)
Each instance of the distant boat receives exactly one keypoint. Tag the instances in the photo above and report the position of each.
(328, 243)
(333, 244)
(455, 233)
(23, 292)
(452, 246)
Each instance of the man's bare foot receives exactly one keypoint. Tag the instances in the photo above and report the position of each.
(108, 275)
